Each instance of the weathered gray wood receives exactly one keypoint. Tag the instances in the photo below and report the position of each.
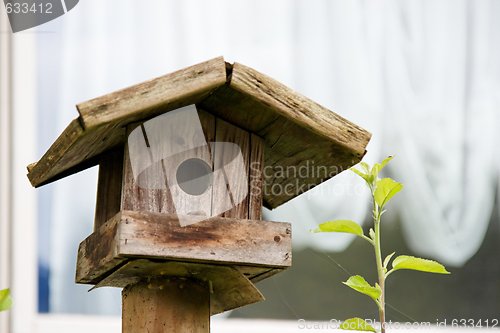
(97, 254)
(166, 305)
(256, 178)
(308, 162)
(231, 182)
(170, 199)
(222, 240)
(109, 187)
(299, 109)
(159, 236)
(186, 204)
(168, 92)
(135, 197)
(49, 165)
(297, 132)
(30, 167)
(229, 288)
(102, 122)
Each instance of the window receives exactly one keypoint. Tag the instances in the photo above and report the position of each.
(339, 55)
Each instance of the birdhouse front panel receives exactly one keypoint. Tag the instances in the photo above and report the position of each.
(191, 163)
(161, 151)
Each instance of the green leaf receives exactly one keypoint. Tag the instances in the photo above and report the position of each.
(365, 166)
(346, 226)
(5, 299)
(367, 177)
(385, 161)
(356, 324)
(379, 166)
(418, 264)
(387, 259)
(385, 189)
(359, 284)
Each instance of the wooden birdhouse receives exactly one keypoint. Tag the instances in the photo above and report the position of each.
(186, 162)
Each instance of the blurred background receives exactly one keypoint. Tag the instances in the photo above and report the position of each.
(422, 76)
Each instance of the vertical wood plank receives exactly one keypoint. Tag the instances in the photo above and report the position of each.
(135, 197)
(185, 203)
(207, 121)
(230, 179)
(169, 305)
(256, 175)
(109, 186)
(170, 198)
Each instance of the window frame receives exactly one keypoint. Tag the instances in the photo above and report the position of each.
(5, 157)
(22, 200)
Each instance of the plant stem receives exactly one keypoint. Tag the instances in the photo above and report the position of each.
(380, 268)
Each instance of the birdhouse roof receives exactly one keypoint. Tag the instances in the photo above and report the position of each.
(298, 133)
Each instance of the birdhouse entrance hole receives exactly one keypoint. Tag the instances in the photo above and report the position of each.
(194, 176)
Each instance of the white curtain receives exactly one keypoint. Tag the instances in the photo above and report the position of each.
(422, 76)
(443, 116)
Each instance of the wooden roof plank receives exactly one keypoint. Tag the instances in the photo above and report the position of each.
(101, 121)
(299, 109)
(134, 103)
(297, 132)
(37, 172)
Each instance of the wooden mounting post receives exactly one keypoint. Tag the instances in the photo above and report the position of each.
(166, 305)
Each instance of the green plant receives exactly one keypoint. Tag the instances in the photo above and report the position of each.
(382, 190)
(5, 299)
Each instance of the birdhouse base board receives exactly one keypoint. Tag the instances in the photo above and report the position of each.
(253, 245)
(229, 288)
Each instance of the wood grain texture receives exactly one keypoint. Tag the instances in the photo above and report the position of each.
(256, 178)
(46, 167)
(229, 288)
(299, 109)
(97, 254)
(109, 187)
(185, 203)
(221, 240)
(231, 178)
(168, 92)
(75, 150)
(296, 131)
(173, 306)
(308, 162)
(135, 197)
(170, 198)
(280, 117)
(103, 126)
